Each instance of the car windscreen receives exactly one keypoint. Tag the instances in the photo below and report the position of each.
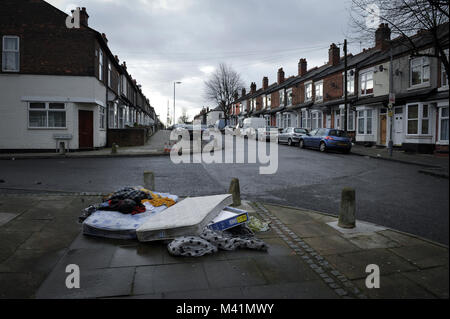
(299, 131)
(337, 133)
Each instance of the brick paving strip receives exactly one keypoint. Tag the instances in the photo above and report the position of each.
(332, 277)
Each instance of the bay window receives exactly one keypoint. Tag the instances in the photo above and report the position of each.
(10, 54)
(46, 115)
(418, 119)
(366, 83)
(305, 122)
(443, 124)
(316, 120)
(365, 122)
(420, 71)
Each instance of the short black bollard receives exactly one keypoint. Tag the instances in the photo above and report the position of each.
(347, 210)
(235, 191)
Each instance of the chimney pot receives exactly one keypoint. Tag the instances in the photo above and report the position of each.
(84, 17)
(302, 67)
(334, 55)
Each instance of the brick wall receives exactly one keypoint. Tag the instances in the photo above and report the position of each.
(333, 87)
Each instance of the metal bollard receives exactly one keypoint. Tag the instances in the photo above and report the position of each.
(114, 148)
(149, 180)
(347, 210)
(62, 148)
(235, 191)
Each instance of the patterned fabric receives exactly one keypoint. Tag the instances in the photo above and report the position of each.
(211, 241)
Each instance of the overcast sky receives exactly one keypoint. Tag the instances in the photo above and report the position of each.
(164, 41)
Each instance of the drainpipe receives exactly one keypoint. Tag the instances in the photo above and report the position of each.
(391, 90)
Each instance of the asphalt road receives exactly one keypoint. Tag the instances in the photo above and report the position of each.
(388, 193)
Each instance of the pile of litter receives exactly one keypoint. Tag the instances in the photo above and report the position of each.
(195, 226)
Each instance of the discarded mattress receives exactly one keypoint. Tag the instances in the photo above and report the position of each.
(188, 217)
(116, 225)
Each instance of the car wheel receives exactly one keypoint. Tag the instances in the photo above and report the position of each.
(347, 151)
(322, 147)
(289, 142)
(301, 144)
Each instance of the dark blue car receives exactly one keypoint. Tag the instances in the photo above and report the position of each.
(327, 139)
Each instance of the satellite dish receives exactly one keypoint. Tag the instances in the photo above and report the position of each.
(352, 73)
(381, 68)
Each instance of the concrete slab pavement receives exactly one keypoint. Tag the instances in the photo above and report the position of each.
(307, 258)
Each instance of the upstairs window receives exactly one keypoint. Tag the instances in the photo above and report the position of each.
(282, 97)
(100, 65)
(350, 82)
(366, 80)
(109, 74)
(319, 91)
(308, 92)
(269, 101)
(10, 54)
(420, 71)
(289, 96)
(444, 76)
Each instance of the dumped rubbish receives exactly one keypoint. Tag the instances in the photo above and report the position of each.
(195, 226)
(188, 217)
(257, 225)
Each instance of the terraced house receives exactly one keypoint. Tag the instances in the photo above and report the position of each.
(61, 85)
(314, 98)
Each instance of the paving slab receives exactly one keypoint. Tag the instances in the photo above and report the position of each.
(353, 265)
(222, 293)
(94, 283)
(371, 241)
(289, 216)
(19, 285)
(424, 255)
(305, 290)
(434, 280)
(395, 286)
(31, 261)
(6, 218)
(314, 229)
(169, 278)
(331, 245)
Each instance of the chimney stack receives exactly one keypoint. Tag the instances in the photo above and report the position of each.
(117, 58)
(253, 87)
(334, 55)
(84, 17)
(265, 82)
(382, 37)
(280, 75)
(302, 67)
(243, 92)
(124, 65)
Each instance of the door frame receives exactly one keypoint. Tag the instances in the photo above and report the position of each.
(91, 146)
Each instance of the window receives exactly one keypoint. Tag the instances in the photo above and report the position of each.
(308, 92)
(269, 101)
(109, 74)
(101, 112)
(124, 85)
(350, 82)
(319, 91)
(244, 106)
(264, 99)
(267, 120)
(444, 77)
(420, 71)
(11, 54)
(100, 65)
(121, 117)
(418, 119)
(337, 119)
(366, 80)
(316, 120)
(365, 122)
(46, 115)
(253, 104)
(350, 120)
(289, 96)
(282, 97)
(305, 122)
(443, 124)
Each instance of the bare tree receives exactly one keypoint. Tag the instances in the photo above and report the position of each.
(406, 18)
(222, 86)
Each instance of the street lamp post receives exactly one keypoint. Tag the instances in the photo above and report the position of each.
(174, 118)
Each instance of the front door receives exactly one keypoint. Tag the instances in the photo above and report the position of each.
(85, 129)
(398, 126)
(383, 122)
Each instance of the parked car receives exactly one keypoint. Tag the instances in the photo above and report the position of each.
(267, 132)
(251, 125)
(327, 139)
(291, 135)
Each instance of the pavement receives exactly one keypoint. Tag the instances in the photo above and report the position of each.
(432, 164)
(308, 257)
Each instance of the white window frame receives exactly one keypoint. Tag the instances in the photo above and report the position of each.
(420, 118)
(318, 85)
(289, 97)
(444, 78)
(46, 109)
(102, 117)
(425, 63)
(100, 65)
(366, 120)
(363, 81)
(269, 101)
(16, 52)
(308, 91)
(316, 120)
(440, 118)
(109, 74)
(305, 119)
(350, 82)
(264, 100)
(282, 97)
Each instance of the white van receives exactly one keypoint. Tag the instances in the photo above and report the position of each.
(251, 126)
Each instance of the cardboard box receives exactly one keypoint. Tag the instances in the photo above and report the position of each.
(228, 218)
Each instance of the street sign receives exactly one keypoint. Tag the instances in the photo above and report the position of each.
(392, 98)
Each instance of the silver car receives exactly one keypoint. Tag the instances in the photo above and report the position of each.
(291, 135)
